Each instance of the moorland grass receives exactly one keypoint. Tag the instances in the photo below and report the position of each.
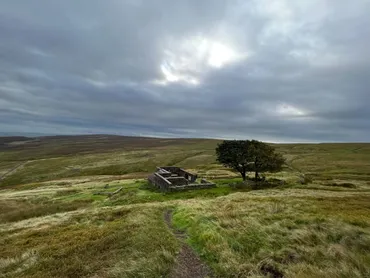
(126, 242)
(16, 210)
(53, 225)
(281, 236)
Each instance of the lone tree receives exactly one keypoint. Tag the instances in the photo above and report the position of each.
(249, 156)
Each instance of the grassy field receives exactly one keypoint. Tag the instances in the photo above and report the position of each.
(53, 225)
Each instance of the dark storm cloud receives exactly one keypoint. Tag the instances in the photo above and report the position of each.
(278, 71)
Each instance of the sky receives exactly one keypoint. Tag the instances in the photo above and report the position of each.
(278, 71)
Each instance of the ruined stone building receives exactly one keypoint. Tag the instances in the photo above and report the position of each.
(171, 178)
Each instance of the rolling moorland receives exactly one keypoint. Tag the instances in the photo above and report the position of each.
(52, 223)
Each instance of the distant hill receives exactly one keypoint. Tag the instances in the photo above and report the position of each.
(22, 134)
(9, 139)
(76, 144)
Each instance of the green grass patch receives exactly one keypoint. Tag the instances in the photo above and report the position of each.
(143, 193)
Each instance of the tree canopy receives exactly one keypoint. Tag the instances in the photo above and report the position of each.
(249, 156)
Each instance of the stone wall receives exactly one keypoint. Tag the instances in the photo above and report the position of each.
(178, 181)
(192, 186)
(163, 172)
(160, 182)
(181, 172)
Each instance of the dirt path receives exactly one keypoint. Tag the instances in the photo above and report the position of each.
(188, 264)
(11, 171)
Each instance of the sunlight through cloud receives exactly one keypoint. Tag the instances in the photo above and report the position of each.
(220, 55)
(289, 110)
(188, 60)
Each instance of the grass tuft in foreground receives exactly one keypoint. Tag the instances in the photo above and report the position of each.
(280, 236)
(127, 242)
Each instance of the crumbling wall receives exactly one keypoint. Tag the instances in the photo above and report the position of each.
(160, 182)
(178, 180)
(192, 186)
(172, 178)
(180, 172)
(163, 172)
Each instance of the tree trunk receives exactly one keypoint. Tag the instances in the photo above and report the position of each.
(243, 176)
(256, 169)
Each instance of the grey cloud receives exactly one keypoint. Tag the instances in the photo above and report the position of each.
(95, 67)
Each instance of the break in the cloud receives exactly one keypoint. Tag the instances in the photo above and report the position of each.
(280, 70)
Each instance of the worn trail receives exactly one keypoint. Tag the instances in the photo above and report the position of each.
(188, 263)
(11, 171)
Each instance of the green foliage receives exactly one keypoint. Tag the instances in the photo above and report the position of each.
(235, 155)
(249, 156)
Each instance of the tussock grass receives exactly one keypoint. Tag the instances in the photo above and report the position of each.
(66, 192)
(281, 236)
(344, 184)
(115, 243)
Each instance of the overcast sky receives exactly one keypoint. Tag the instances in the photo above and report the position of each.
(280, 71)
